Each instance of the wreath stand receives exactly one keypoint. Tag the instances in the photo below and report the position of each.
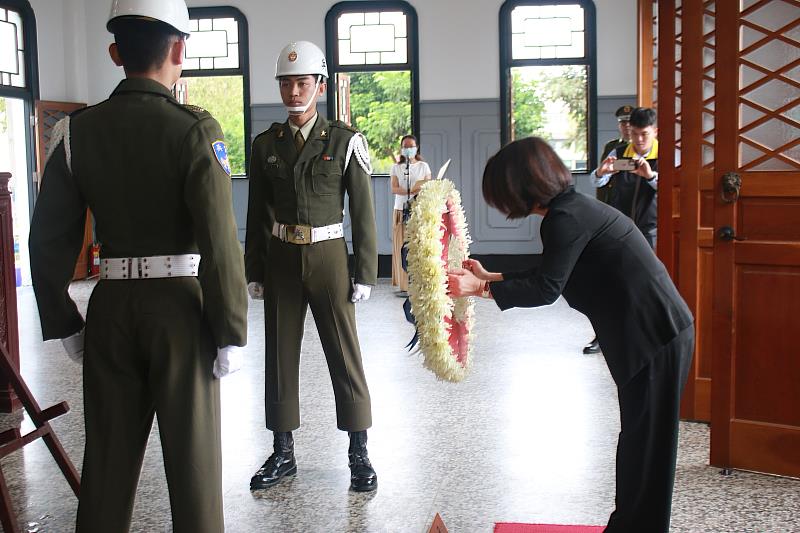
(12, 440)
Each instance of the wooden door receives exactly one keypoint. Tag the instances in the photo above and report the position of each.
(755, 416)
(47, 115)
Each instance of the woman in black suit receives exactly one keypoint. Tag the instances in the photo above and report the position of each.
(601, 263)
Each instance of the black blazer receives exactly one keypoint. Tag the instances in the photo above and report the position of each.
(597, 258)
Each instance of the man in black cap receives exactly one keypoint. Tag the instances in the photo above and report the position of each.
(623, 115)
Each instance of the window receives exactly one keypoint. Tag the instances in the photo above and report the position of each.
(547, 76)
(374, 78)
(216, 76)
(18, 91)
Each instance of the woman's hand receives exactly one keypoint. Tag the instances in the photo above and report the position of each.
(462, 282)
(477, 269)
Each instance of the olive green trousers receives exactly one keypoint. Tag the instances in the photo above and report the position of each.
(315, 276)
(148, 352)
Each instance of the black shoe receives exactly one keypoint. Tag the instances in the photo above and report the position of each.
(280, 464)
(592, 348)
(362, 476)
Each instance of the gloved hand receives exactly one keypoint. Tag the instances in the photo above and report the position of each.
(73, 345)
(360, 293)
(229, 360)
(256, 290)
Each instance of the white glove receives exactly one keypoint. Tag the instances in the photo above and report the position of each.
(229, 360)
(256, 290)
(360, 293)
(73, 345)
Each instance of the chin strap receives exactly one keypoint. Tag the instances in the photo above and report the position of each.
(60, 132)
(303, 109)
(358, 145)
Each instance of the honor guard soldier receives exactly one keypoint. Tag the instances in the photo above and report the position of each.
(634, 168)
(296, 257)
(169, 311)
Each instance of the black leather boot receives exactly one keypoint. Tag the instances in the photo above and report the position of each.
(280, 464)
(592, 348)
(362, 476)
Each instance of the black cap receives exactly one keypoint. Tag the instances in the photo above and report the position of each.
(624, 113)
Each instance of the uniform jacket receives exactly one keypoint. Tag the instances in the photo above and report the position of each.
(145, 166)
(601, 263)
(309, 190)
(629, 193)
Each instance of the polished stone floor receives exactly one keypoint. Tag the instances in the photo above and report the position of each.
(529, 436)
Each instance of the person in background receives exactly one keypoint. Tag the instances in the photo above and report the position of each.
(296, 257)
(644, 326)
(634, 167)
(623, 115)
(407, 177)
(170, 310)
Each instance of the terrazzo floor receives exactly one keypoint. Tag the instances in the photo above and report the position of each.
(529, 436)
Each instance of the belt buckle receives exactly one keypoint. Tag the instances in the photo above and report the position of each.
(298, 234)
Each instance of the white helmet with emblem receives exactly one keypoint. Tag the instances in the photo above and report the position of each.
(172, 12)
(299, 59)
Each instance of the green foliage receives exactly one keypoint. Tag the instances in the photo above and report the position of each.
(380, 107)
(3, 116)
(223, 97)
(531, 95)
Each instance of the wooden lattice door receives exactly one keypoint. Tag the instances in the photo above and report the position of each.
(47, 115)
(755, 415)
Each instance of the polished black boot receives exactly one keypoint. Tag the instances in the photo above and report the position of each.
(592, 348)
(362, 476)
(280, 464)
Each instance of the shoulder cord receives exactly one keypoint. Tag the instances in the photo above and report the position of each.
(60, 132)
(361, 150)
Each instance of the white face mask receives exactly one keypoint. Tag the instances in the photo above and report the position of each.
(409, 153)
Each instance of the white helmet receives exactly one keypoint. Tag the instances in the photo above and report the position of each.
(172, 12)
(300, 59)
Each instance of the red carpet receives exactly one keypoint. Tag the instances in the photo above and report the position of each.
(513, 527)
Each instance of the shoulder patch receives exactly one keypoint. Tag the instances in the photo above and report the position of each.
(221, 153)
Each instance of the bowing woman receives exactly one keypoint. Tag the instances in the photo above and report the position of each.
(599, 261)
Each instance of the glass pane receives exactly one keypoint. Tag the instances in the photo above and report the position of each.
(207, 44)
(223, 97)
(230, 27)
(555, 31)
(16, 19)
(379, 105)
(372, 38)
(232, 61)
(551, 102)
(205, 25)
(8, 48)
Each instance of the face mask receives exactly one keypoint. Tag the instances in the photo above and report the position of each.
(409, 153)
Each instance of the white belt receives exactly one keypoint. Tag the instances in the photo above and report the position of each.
(157, 266)
(300, 234)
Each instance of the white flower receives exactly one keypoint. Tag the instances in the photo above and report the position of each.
(444, 324)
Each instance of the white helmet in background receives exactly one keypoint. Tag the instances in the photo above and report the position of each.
(299, 59)
(172, 12)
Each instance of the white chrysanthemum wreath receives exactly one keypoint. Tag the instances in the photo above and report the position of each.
(437, 240)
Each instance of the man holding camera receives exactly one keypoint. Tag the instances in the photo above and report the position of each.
(634, 166)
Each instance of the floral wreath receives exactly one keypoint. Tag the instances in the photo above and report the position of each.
(438, 239)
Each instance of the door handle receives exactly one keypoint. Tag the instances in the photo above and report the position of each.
(726, 233)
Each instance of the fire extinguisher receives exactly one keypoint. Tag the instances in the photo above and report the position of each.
(94, 269)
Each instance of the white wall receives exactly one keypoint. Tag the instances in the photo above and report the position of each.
(458, 41)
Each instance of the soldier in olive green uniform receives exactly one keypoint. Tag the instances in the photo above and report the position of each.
(296, 257)
(172, 294)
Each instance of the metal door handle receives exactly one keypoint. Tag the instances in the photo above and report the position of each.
(726, 233)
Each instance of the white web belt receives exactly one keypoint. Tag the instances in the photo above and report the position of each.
(299, 234)
(156, 266)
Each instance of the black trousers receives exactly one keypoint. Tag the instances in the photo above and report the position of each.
(648, 441)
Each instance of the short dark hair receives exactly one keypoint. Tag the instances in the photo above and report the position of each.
(143, 44)
(524, 174)
(641, 117)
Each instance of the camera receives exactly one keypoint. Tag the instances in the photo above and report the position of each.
(625, 164)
